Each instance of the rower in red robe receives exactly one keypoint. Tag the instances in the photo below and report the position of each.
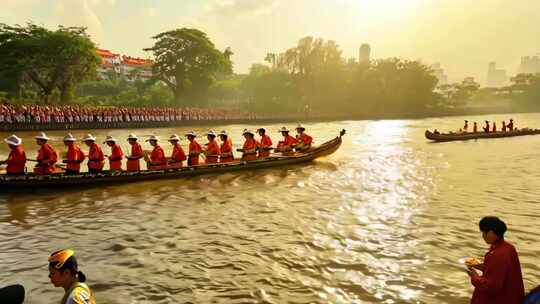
(115, 159)
(304, 140)
(47, 156)
(157, 159)
(96, 158)
(226, 148)
(287, 144)
(249, 149)
(133, 160)
(194, 149)
(178, 155)
(212, 151)
(75, 156)
(265, 145)
(16, 161)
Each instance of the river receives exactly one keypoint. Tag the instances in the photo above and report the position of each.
(383, 220)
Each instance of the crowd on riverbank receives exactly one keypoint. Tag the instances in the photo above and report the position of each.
(55, 114)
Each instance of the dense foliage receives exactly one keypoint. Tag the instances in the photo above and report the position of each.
(314, 77)
(33, 58)
(188, 62)
(311, 78)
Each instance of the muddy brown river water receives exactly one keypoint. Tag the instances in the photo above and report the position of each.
(383, 220)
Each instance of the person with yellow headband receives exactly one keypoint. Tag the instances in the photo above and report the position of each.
(64, 272)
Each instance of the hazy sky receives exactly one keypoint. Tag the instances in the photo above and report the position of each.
(464, 35)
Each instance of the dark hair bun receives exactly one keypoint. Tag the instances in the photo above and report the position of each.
(493, 223)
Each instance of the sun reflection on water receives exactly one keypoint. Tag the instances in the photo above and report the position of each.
(383, 191)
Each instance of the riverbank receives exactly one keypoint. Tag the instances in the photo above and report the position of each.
(469, 111)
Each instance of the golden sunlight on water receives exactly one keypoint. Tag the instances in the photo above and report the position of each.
(383, 220)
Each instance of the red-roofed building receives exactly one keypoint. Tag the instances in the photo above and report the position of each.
(123, 66)
(141, 67)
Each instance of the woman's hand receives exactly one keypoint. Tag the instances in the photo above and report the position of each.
(472, 272)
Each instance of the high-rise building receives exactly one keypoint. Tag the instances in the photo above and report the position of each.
(438, 72)
(496, 78)
(364, 55)
(529, 65)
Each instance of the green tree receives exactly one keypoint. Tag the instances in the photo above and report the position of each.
(185, 59)
(50, 60)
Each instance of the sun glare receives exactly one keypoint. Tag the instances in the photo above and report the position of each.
(387, 5)
(385, 8)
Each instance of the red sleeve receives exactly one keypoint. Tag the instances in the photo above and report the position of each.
(307, 139)
(49, 154)
(180, 155)
(96, 154)
(157, 155)
(291, 140)
(16, 159)
(161, 154)
(226, 147)
(116, 153)
(215, 149)
(495, 269)
(80, 155)
(194, 147)
(265, 142)
(100, 154)
(72, 154)
(137, 151)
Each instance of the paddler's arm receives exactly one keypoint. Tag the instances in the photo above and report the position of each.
(5, 161)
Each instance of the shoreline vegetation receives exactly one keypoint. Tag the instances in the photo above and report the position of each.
(311, 80)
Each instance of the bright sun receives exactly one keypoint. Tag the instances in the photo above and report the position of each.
(385, 7)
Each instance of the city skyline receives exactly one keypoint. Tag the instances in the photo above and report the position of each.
(463, 41)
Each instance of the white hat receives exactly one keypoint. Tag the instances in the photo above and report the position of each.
(109, 138)
(42, 136)
(212, 133)
(132, 136)
(152, 137)
(223, 133)
(13, 140)
(300, 127)
(191, 133)
(174, 137)
(88, 137)
(247, 131)
(283, 129)
(69, 137)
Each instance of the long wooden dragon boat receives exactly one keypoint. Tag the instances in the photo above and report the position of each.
(471, 135)
(32, 181)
